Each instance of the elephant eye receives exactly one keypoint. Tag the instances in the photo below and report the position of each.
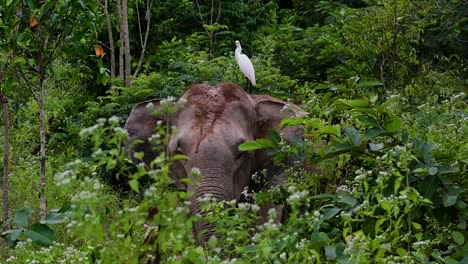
(179, 150)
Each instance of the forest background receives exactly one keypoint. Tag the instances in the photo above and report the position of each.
(383, 81)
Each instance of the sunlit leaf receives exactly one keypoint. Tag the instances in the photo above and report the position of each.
(261, 143)
(392, 124)
(134, 185)
(354, 103)
(458, 238)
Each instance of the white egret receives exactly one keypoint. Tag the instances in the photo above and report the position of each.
(245, 65)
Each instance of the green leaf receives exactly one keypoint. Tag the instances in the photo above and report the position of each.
(367, 84)
(401, 251)
(332, 130)
(179, 157)
(291, 122)
(429, 186)
(347, 199)
(458, 238)
(319, 238)
(134, 185)
(449, 260)
(355, 103)
(23, 216)
(330, 252)
(40, 234)
(324, 196)
(330, 212)
(274, 136)
(8, 2)
(261, 143)
(54, 218)
(12, 236)
(386, 205)
(446, 168)
(449, 200)
(392, 124)
(372, 133)
(353, 136)
(432, 170)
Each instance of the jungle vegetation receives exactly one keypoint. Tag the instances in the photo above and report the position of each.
(383, 82)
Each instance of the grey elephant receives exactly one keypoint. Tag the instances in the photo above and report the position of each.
(211, 125)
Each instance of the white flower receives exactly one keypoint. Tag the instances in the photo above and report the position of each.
(114, 119)
(120, 131)
(420, 243)
(283, 256)
(297, 197)
(272, 213)
(195, 171)
(343, 188)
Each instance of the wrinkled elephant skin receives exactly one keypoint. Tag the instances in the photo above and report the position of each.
(211, 125)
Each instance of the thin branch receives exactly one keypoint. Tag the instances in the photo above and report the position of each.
(149, 4)
(139, 23)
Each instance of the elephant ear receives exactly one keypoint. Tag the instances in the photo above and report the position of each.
(271, 112)
(140, 126)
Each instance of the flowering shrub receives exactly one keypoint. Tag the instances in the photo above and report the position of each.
(379, 192)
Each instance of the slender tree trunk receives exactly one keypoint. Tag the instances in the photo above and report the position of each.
(6, 158)
(149, 3)
(121, 48)
(126, 42)
(111, 40)
(42, 135)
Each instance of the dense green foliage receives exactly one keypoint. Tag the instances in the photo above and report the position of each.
(384, 86)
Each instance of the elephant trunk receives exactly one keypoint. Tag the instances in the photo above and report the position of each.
(210, 189)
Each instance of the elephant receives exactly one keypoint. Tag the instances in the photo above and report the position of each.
(210, 126)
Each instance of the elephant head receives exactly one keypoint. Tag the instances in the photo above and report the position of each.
(211, 125)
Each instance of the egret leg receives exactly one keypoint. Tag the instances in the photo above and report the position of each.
(248, 85)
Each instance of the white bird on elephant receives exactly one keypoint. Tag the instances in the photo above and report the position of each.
(245, 65)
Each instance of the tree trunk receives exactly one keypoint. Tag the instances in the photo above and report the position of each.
(121, 48)
(42, 135)
(111, 40)
(126, 42)
(6, 158)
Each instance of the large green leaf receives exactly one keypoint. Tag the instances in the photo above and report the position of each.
(40, 234)
(355, 103)
(23, 216)
(372, 133)
(353, 136)
(261, 143)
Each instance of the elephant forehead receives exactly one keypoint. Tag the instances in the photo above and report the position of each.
(209, 105)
